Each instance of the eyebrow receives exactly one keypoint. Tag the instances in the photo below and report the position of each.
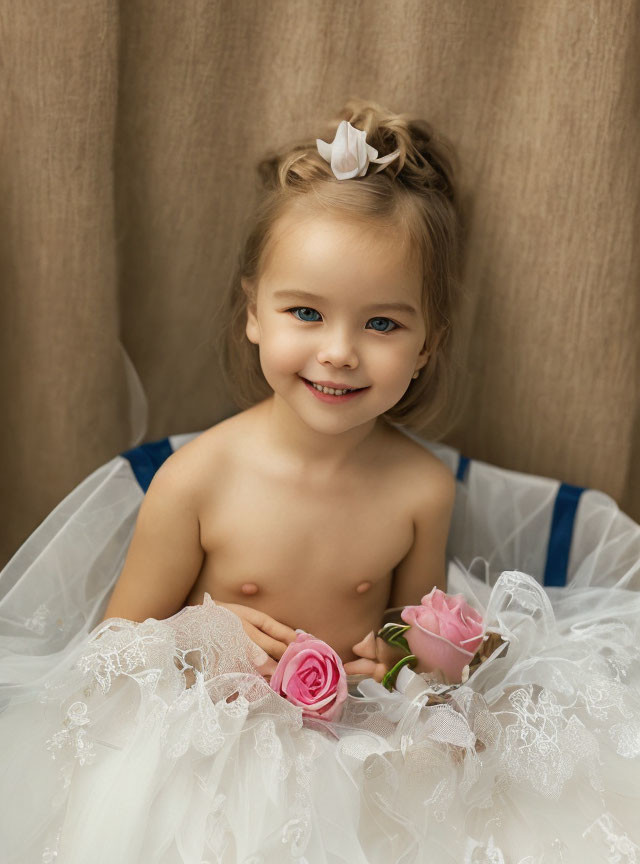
(397, 307)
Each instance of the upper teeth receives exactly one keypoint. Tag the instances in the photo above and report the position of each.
(331, 390)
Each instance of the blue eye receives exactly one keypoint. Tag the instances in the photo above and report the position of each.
(389, 321)
(304, 309)
(307, 309)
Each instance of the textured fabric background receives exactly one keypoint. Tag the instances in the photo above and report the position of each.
(128, 136)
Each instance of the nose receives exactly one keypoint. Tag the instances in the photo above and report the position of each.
(338, 349)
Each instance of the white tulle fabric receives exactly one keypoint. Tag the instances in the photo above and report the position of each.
(159, 742)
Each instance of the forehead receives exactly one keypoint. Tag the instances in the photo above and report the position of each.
(325, 250)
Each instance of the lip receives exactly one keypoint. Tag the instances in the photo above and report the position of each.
(334, 385)
(331, 398)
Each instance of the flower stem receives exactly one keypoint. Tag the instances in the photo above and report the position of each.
(389, 679)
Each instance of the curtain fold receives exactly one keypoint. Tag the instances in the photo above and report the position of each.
(128, 141)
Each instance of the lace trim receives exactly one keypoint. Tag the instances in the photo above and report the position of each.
(73, 735)
(542, 747)
(41, 621)
(612, 840)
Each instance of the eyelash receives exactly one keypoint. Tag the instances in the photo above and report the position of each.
(376, 318)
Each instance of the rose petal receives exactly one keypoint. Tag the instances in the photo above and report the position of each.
(310, 674)
(426, 600)
(438, 601)
(293, 664)
(451, 631)
(292, 649)
(408, 614)
(435, 652)
(334, 710)
(306, 674)
(428, 619)
(445, 632)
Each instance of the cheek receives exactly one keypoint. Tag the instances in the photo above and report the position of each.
(390, 365)
(283, 353)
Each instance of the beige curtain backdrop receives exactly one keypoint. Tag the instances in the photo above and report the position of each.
(128, 136)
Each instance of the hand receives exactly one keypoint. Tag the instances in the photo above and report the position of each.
(377, 657)
(365, 666)
(269, 634)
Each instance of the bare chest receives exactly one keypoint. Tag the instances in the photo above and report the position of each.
(316, 559)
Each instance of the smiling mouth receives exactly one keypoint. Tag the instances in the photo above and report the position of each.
(329, 390)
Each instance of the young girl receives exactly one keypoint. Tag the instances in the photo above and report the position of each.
(308, 509)
(155, 736)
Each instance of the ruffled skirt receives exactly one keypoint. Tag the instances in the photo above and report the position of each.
(159, 743)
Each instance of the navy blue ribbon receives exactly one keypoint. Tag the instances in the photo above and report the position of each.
(463, 466)
(561, 533)
(146, 459)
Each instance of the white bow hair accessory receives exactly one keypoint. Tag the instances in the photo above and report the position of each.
(349, 153)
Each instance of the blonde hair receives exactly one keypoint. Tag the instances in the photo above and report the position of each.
(416, 193)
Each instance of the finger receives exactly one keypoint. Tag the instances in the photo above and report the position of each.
(362, 666)
(379, 672)
(366, 647)
(268, 667)
(258, 656)
(274, 628)
(271, 646)
(262, 621)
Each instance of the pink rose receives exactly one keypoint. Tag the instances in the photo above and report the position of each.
(445, 633)
(310, 674)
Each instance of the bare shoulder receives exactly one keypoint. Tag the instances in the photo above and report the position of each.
(210, 456)
(422, 473)
(191, 467)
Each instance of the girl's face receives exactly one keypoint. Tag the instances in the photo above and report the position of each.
(338, 302)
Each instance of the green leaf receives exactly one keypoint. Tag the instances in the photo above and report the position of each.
(392, 635)
(392, 630)
(401, 642)
(394, 626)
(389, 679)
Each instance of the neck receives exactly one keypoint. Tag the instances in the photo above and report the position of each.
(322, 455)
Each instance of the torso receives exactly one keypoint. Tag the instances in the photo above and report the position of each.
(319, 558)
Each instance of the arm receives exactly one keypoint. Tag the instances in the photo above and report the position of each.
(165, 554)
(165, 557)
(422, 568)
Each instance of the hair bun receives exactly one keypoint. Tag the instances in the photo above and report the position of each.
(426, 160)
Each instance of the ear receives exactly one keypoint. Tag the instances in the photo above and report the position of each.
(252, 328)
(428, 348)
(423, 356)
